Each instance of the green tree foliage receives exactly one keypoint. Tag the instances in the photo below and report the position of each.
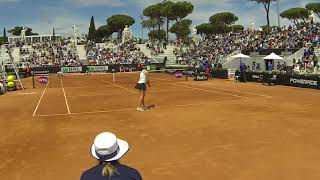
(220, 29)
(5, 38)
(208, 29)
(156, 34)
(92, 30)
(224, 18)
(17, 31)
(204, 29)
(155, 12)
(118, 22)
(266, 5)
(237, 28)
(54, 34)
(151, 24)
(103, 32)
(168, 11)
(181, 29)
(182, 10)
(295, 14)
(315, 7)
(220, 23)
(2, 41)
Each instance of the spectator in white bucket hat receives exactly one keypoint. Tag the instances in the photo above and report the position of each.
(108, 149)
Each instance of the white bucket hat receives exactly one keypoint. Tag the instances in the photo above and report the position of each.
(108, 147)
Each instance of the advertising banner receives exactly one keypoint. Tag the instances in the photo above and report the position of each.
(296, 80)
(98, 68)
(152, 67)
(71, 69)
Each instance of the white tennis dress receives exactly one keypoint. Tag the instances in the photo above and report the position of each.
(143, 78)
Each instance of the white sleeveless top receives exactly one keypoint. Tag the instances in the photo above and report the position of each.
(143, 77)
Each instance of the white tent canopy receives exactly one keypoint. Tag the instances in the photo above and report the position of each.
(273, 56)
(241, 56)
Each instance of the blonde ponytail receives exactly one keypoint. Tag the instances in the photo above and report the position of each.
(109, 170)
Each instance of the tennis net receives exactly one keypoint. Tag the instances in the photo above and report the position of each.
(161, 76)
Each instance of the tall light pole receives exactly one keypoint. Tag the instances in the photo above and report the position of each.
(141, 17)
(278, 11)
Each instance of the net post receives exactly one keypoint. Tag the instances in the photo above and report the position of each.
(113, 76)
(186, 74)
(33, 80)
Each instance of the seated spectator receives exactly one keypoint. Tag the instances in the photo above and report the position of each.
(108, 149)
(279, 67)
(2, 87)
(296, 68)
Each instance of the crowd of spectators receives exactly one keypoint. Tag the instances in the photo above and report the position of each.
(309, 62)
(126, 53)
(214, 48)
(211, 50)
(157, 47)
(49, 54)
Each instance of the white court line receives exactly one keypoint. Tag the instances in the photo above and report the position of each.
(30, 93)
(157, 107)
(65, 97)
(76, 87)
(35, 110)
(92, 95)
(207, 90)
(111, 94)
(127, 89)
(120, 110)
(244, 92)
(51, 115)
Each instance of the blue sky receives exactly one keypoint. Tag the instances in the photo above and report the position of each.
(42, 15)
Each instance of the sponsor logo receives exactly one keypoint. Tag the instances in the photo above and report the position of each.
(178, 74)
(40, 72)
(201, 77)
(98, 68)
(190, 72)
(170, 70)
(43, 80)
(255, 77)
(71, 69)
(304, 82)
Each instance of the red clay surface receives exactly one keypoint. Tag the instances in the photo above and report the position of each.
(207, 130)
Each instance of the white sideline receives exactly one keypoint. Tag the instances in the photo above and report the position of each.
(65, 97)
(157, 107)
(127, 89)
(243, 92)
(111, 94)
(35, 110)
(207, 90)
(119, 110)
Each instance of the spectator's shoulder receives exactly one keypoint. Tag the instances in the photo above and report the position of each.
(88, 173)
(130, 172)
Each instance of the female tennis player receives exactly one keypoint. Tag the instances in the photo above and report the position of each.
(141, 85)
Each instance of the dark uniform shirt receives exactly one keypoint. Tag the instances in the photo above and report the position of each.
(125, 173)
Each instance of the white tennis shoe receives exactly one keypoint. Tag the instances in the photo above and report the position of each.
(140, 109)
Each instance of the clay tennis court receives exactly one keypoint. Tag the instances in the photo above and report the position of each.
(207, 130)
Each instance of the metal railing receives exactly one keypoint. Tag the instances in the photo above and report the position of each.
(297, 55)
(228, 58)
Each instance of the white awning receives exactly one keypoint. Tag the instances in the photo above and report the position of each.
(241, 56)
(273, 56)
